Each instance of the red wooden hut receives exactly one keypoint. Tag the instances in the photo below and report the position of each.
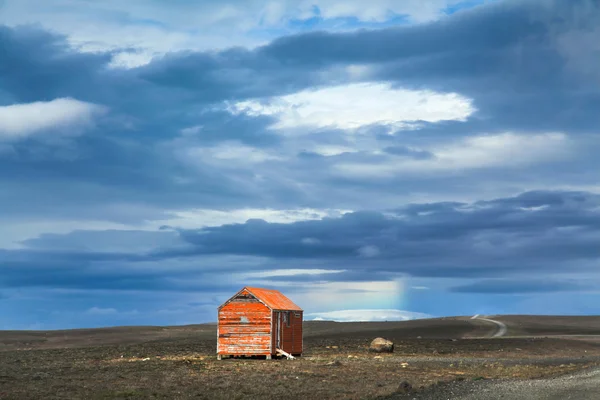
(259, 322)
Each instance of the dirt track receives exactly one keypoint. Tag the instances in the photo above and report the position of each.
(578, 386)
(180, 362)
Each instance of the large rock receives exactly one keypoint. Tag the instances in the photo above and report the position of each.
(381, 345)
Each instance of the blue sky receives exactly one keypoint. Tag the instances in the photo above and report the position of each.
(386, 160)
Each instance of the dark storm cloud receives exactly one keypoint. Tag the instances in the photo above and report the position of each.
(528, 235)
(36, 65)
(508, 286)
(420, 221)
(537, 231)
(98, 271)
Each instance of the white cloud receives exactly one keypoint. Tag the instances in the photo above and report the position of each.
(331, 150)
(486, 151)
(366, 315)
(358, 104)
(67, 115)
(231, 151)
(101, 311)
(369, 251)
(110, 311)
(499, 150)
(196, 218)
(310, 241)
(191, 130)
(332, 295)
(291, 272)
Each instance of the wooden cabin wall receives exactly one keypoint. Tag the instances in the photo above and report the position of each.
(297, 342)
(290, 333)
(244, 329)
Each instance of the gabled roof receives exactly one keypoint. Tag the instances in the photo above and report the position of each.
(273, 299)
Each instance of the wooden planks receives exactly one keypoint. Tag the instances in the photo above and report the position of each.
(244, 328)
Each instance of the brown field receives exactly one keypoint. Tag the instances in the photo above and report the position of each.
(180, 362)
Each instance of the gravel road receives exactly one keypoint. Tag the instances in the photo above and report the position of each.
(580, 386)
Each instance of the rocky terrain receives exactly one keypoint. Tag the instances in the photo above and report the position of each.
(430, 356)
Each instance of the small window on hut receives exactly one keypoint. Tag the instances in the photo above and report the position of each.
(244, 320)
(286, 318)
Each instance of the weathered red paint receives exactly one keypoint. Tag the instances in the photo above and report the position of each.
(258, 321)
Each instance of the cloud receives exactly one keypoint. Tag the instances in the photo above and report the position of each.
(366, 315)
(471, 54)
(355, 105)
(486, 151)
(101, 311)
(369, 251)
(290, 273)
(513, 286)
(154, 28)
(65, 116)
(124, 241)
(193, 218)
(533, 233)
(409, 152)
(485, 238)
(226, 152)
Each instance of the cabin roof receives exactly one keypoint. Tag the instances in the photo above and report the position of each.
(273, 299)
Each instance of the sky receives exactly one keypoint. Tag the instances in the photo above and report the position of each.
(372, 160)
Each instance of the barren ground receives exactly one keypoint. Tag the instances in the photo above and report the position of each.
(180, 362)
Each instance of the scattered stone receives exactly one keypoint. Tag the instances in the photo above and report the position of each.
(404, 364)
(381, 345)
(404, 387)
(39, 376)
(335, 363)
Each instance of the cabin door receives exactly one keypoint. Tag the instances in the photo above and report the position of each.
(278, 328)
